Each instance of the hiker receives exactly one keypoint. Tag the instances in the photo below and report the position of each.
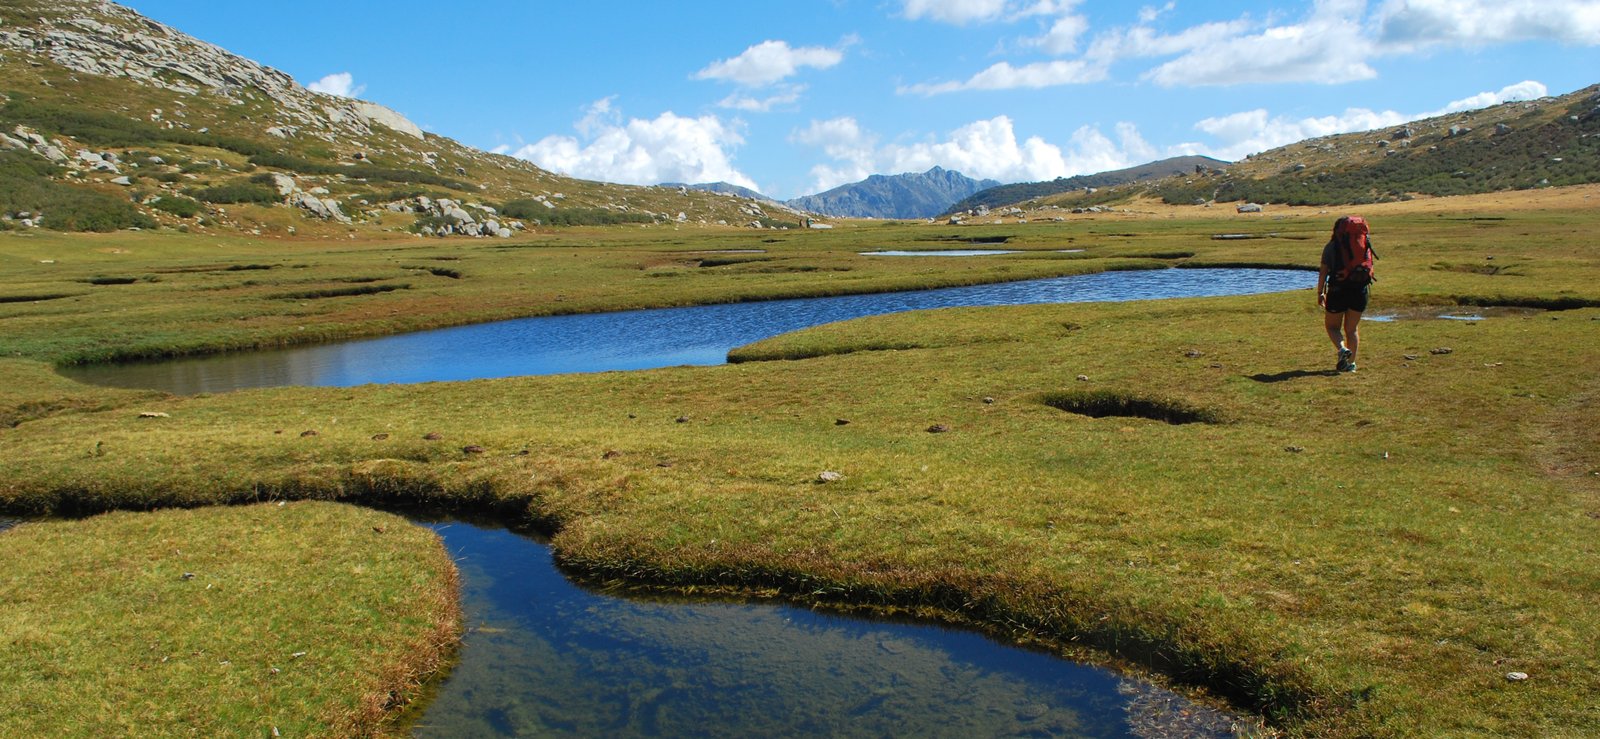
(1343, 284)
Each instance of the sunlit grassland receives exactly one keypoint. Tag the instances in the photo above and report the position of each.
(297, 619)
(1364, 554)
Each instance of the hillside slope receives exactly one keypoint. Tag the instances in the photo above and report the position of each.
(111, 120)
(1021, 192)
(1550, 142)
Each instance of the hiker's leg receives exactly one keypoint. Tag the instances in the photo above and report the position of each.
(1333, 322)
(1352, 331)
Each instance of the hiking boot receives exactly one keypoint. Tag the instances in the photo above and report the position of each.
(1350, 367)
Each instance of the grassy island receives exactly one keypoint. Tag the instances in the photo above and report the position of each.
(1182, 484)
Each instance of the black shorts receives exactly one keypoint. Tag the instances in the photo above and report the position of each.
(1343, 297)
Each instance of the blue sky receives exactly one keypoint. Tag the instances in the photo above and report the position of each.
(796, 97)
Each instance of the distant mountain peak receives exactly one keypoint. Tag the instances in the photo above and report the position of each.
(908, 195)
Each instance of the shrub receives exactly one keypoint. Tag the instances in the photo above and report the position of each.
(238, 192)
(537, 210)
(25, 185)
(179, 206)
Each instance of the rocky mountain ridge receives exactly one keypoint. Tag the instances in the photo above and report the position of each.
(910, 195)
(142, 125)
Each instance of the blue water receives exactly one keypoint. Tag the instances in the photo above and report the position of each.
(641, 339)
(546, 657)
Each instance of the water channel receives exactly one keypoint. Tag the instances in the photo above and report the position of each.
(544, 656)
(640, 339)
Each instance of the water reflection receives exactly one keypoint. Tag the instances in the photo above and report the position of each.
(640, 339)
(547, 657)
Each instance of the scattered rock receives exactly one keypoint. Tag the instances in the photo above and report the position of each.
(682, 419)
(153, 414)
(1294, 449)
(1083, 378)
(1410, 357)
(187, 576)
(828, 476)
(841, 422)
(378, 529)
(1441, 350)
(988, 400)
(611, 454)
(1194, 354)
(307, 432)
(472, 449)
(431, 436)
(1516, 677)
(938, 428)
(379, 437)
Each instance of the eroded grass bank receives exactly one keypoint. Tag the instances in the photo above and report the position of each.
(1363, 554)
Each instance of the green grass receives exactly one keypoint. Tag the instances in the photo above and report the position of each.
(1349, 555)
(299, 619)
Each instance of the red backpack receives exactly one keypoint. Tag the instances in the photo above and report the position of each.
(1352, 253)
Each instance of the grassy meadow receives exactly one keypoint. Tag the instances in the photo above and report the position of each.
(1368, 554)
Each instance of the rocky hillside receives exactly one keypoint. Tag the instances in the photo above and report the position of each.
(111, 120)
(1021, 192)
(907, 195)
(1548, 142)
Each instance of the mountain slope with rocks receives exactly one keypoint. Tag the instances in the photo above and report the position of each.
(909, 195)
(111, 120)
(1549, 142)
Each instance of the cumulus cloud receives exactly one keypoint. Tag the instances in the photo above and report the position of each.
(338, 83)
(1406, 25)
(985, 149)
(669, 148)
(769, 62)
(1003, 76)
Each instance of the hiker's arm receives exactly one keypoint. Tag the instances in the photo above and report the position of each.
(1322, 286)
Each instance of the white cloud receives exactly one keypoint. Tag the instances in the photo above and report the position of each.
(1329, 47)
(958, 12)
(788, 95)
(1003, 76)
(338, 83)
(1406, 25)
(769, 62)
(1062, 38)
(670, 148)
(986, 149)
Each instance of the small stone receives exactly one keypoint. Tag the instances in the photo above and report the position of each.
(988, 400)
(1194, 354)
(1410, 357)
(153, 414)
(307, 432)
(938, 428)
(379, 437)
(611, 454)
(1083, 378)
(1294, 449)
(431, 436)
(1516, 677)
(187, 576)
(297, 655)
(830, 476)
(841, 422)
(378, 529)
(1441, 350)
(472, 449)
(683, 419)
